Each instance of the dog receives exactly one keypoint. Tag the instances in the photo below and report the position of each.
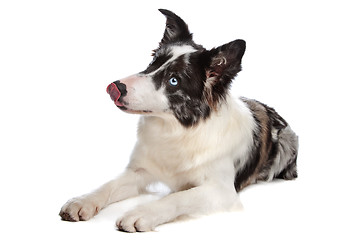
(193, 135)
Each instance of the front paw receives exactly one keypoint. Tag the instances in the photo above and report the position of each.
(79, 209)
(138, 220)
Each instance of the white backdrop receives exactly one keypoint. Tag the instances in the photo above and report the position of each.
(61, 136)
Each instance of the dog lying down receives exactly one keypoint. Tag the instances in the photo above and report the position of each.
(193, 135)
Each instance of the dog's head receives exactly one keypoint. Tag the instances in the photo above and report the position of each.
(183, 79)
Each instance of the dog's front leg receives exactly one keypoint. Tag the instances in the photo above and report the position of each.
(127, 185)
(197, 200)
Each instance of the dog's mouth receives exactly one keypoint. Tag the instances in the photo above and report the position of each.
(115, 95)
(128, 110)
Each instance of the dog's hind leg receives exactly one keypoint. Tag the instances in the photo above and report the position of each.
(288, 149)
(290, 172)
(129, 184)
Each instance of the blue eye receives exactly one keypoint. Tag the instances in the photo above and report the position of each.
(173, 81)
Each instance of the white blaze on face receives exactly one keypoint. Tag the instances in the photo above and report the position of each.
(176, 51)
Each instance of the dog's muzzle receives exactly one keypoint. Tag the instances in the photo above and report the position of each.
(117, 91)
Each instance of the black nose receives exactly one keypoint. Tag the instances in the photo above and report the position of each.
(121, 87)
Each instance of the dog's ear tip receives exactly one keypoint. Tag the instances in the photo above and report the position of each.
(165, 11)
(176, 29)
(241, 41)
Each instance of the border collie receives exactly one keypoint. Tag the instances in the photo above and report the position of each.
(193, 135)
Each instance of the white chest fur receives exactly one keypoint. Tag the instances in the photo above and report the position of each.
(170, 151)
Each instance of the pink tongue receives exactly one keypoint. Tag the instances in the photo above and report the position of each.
(114, 93)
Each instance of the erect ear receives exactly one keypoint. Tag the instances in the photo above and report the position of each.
(176, 29)
(225, 61)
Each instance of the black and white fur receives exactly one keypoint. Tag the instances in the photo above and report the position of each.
(193, 135)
